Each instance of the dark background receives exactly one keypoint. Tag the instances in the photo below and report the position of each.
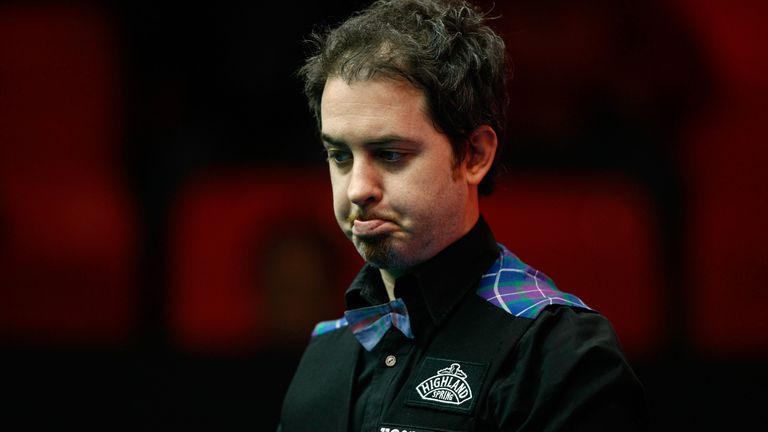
(166, 237)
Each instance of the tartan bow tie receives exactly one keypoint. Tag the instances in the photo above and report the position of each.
(369, 324)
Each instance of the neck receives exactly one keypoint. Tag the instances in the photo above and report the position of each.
(389, 276)
(472, 214)
(389, 279)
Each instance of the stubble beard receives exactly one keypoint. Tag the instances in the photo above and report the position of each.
(377, 251)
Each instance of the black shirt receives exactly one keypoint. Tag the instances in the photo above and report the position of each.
(470, 366)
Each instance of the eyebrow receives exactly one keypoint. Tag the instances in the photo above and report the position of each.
(332, 141)
(383, 141)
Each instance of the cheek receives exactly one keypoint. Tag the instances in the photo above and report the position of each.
(435, 180)
(426, 191)
(340, 202)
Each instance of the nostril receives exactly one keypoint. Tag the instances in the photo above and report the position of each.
(363, 188)
(363, 201)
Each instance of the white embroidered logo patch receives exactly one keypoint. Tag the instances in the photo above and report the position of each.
(449, 386)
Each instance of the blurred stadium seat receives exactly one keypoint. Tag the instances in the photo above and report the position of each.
(257, 259)
(726, 254)
(724, 164)
(67, 225)
(597, 238)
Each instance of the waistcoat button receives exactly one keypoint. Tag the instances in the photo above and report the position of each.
(390, 360)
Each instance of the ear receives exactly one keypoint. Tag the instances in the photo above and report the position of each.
(482, 149)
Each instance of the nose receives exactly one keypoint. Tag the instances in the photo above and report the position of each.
(364, 186)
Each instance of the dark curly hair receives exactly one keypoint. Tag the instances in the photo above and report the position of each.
(445, 48)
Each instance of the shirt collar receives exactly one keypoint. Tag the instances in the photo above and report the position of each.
(439, 283)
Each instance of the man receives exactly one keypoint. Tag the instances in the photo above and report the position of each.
(446, 330)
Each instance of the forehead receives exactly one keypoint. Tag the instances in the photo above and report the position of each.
(365, 109)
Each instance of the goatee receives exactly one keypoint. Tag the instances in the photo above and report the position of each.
(377, 251)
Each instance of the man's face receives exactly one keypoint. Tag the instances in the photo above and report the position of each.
(396, 193)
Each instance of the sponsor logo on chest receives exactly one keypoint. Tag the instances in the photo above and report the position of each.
(447, 386)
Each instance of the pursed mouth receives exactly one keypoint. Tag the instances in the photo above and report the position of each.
(370, 227)
(367, 218)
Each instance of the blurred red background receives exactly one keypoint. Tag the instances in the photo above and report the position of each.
(166, 233)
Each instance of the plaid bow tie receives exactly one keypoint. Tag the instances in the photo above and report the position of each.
(369, 324)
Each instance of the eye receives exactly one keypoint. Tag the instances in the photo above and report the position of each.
(390, 155)
(338, 157)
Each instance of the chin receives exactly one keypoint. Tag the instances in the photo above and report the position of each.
(381, 253)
